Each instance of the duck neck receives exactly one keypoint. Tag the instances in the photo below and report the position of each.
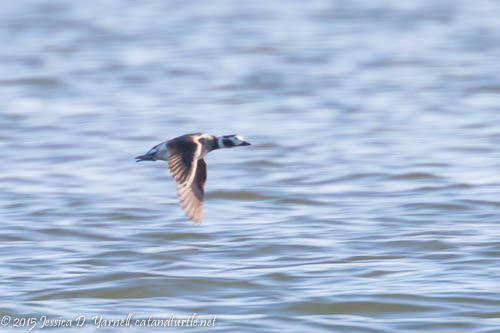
(219, 143)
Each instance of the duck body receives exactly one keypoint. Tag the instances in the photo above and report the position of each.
(184, 155)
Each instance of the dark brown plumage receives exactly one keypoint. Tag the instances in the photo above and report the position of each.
(190, 174)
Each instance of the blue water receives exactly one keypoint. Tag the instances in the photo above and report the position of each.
(368, 201)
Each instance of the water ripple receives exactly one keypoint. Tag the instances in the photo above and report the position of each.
(368, 201)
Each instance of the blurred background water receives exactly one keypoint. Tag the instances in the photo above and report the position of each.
(368, 202)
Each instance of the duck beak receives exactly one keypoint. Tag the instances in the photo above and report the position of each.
(244, 143)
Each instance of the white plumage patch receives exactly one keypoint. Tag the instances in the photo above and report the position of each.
(162, 152)
(220, 142)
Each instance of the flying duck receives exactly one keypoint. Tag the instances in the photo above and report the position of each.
(184, 155)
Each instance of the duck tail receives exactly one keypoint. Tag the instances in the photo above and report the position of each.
(145, 157)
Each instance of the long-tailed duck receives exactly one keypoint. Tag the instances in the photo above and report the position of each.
(184, 155)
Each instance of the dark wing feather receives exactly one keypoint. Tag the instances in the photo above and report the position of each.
(189, 173)
(191, 195)
(182, 158)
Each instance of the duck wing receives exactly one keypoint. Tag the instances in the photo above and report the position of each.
(191, 195)
(190, 174)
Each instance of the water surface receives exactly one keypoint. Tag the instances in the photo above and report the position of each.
(368, 201)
